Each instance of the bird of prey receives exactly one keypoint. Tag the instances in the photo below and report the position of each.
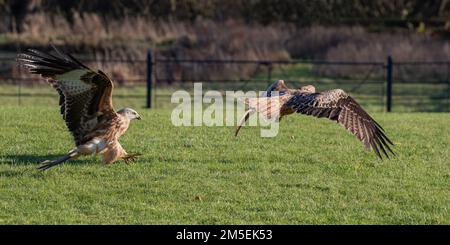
(85, 100)
(336, 105)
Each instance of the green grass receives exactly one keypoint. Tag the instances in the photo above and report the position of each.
(313, 172)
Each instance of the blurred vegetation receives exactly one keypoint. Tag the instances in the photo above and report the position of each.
(330, 30)
(405, 13)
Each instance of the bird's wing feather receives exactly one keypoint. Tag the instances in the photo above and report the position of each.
(336, 105)
(85, 95)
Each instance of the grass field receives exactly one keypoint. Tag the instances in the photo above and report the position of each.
(313, 172)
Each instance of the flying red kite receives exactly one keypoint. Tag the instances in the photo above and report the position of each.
(334, 104)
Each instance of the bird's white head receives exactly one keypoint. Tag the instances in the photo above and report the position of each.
(129, 113)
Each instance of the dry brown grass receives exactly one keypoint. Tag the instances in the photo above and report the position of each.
(130, 38)
(357, 45)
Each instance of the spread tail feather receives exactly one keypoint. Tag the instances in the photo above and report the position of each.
(268, 107)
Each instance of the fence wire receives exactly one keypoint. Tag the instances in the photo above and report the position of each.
(416, 86)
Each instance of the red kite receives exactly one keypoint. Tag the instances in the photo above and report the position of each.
(334, 104)
(85, 99)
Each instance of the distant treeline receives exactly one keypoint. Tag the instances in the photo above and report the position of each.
(301, 12)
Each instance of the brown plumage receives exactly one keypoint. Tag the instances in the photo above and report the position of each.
(85, 104)
(334, 104)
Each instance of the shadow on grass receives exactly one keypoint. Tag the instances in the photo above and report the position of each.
(36, 159)
(32, 162)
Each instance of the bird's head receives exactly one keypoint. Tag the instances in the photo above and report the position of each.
(308, 88)
(129, 113)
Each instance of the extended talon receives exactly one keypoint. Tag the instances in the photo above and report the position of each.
(131, 157)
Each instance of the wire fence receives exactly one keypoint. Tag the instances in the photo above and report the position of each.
(378, 86)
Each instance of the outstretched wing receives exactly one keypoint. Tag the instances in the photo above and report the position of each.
(85, 95)
(338, 106)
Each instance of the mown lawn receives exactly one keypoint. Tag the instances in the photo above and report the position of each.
(313, 172)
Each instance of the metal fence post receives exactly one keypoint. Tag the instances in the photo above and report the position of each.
(19, 92)
(149, 79)
(389, 84)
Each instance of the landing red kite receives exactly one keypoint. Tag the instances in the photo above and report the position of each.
(85, 99)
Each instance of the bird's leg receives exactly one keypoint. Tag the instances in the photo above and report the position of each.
(48, 163)
(91, 147)
(130, 157)
(244, 118)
